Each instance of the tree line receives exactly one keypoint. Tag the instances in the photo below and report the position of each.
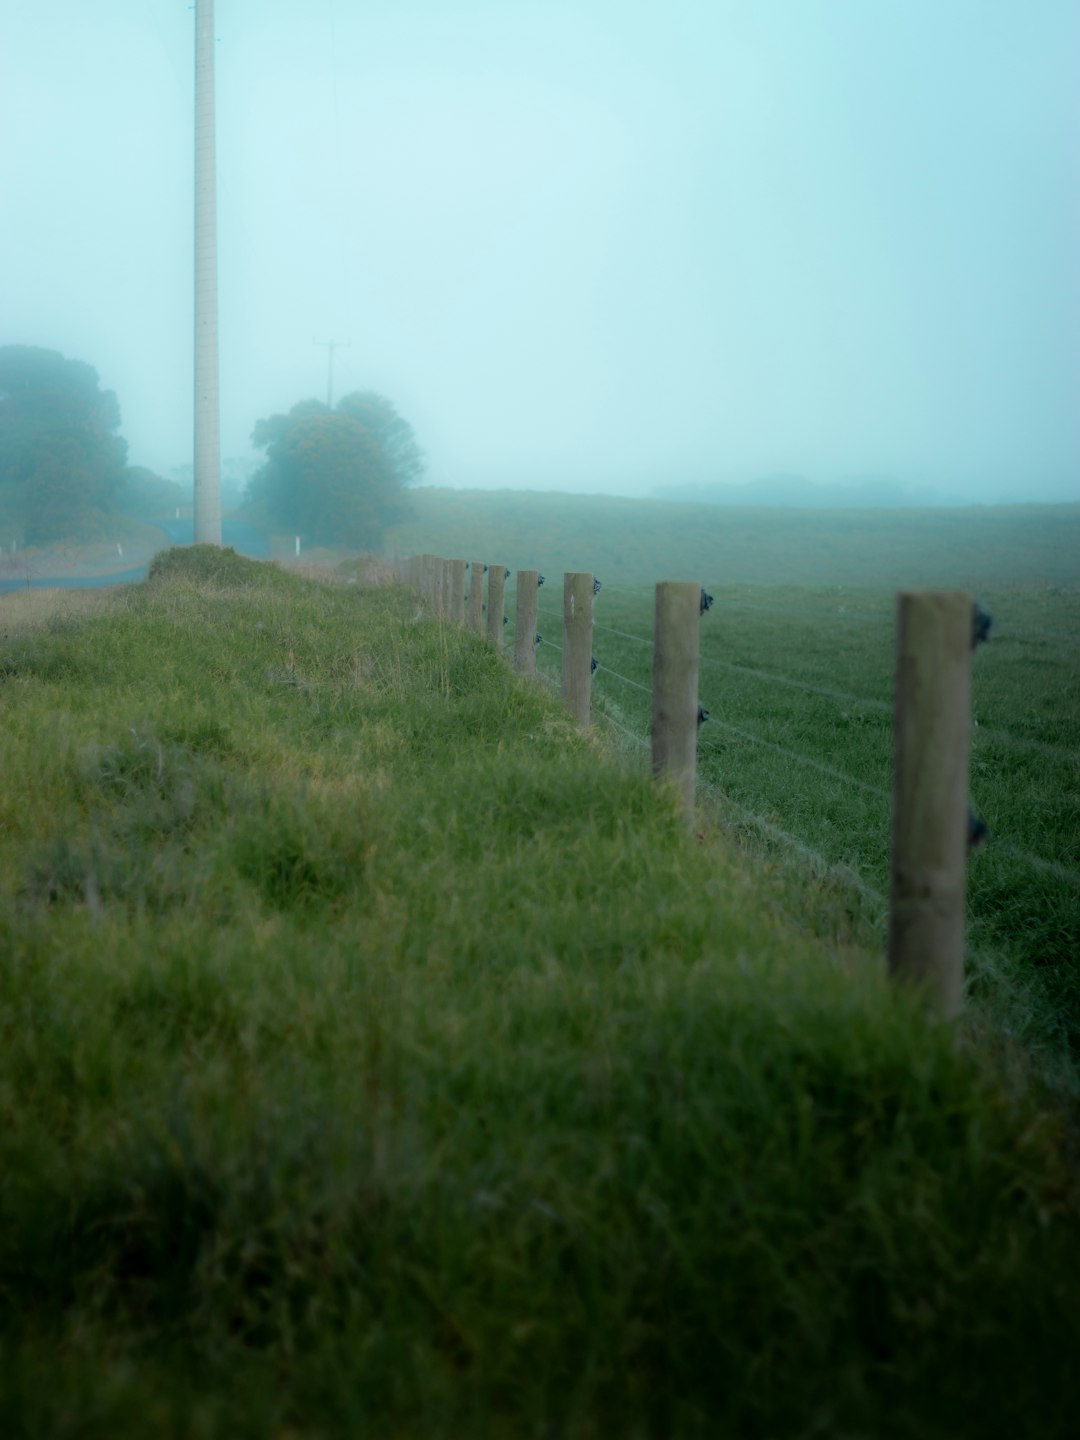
(336, 476)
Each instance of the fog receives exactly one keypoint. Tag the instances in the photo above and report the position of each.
(596, 245)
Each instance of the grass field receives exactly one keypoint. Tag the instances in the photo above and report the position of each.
(797, 757)
(797, 674)
(380, 1056)
(634, 542)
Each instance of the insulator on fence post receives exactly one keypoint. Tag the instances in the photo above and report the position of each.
(931, 750)
(675, 687)
(981, 625)
(496, 604)
(577, 644)
(475, 616)
(528, 594)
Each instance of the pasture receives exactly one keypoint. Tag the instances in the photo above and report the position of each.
(380, 1055)
(796, 758)
(797, 660)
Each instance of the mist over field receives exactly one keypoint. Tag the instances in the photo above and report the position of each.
(470, 900)
(816, 254)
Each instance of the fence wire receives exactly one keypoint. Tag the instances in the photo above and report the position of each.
(759, 821)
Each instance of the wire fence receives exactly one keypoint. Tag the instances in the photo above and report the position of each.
(986, 733)
(627, 703)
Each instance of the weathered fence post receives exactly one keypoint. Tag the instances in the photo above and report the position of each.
(429, 575)
(444, 589)
(496, 604)
(476, 597)
(675, 686)
(577, 644)
(456, 611)
(931, 747)
(528, 599)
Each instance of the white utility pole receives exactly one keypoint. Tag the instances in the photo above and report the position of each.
(207, 413)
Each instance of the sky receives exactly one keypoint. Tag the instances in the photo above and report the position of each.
(597, 245)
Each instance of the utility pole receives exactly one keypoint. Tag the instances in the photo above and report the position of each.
(331, 346)
(207, 405)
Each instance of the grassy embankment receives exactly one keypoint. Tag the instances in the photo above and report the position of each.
(380, 1056)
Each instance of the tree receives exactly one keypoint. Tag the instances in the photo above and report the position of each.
(60, 457)
(395, 435)
(149, 495)
(335, 475)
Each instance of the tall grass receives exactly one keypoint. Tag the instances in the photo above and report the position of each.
(380, 1055)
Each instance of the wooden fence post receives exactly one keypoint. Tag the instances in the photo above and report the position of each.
(476, 597)
(444, 589)
(931, 746)
(428, 580)
(528, 599)
(496, 604)
(577, 644)
(456, 610)
(675, 687)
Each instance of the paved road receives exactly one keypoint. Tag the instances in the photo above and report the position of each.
(241, 536)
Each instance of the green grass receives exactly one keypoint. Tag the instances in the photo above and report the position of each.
(379, 1055)
(797, 673)
(640, 541)
(797, 760)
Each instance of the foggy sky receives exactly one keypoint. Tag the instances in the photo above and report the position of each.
(597, 244)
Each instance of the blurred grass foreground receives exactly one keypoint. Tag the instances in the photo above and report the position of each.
(380, 1056)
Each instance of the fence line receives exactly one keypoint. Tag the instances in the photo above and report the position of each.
(769, 675)
(932, 729)
(784, 750)
(1026, 857)
(800, 759)
(624, 678)
(866, 702)
(1048, 867)
(630, 734)
(1071, 637)
(610, 630)
(846, 873)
